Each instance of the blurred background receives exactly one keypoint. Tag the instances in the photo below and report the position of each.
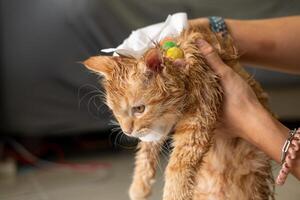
(56, 140)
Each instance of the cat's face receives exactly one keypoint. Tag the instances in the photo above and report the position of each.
(145, 95)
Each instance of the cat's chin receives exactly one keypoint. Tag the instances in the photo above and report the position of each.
(151, 137)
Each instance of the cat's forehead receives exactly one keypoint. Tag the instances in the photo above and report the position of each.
(127, 90)
(121, 102)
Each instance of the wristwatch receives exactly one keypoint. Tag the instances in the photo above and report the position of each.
(218, 25)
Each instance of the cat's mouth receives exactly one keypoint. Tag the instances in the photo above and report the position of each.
(154, 133)
(148, 135)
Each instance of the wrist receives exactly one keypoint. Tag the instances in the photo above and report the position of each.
(236, 29)
(264, 131)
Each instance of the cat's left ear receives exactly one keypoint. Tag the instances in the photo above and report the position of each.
(103, 65)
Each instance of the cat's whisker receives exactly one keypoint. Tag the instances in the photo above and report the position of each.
(102, 97)
(165, 149)
(121, 139)
(164, 153)
(95, 102)
(124, 141)
(128, 140)
(164, 157)
(92, 99)
(116, 139)
(110, 138)
(114, 123)
(99, 108)
(116, 128)
(87, 86)
(95, 89)
(155, 43)
(156, 159)
(88, 105)
(168, 146)
(84, 96)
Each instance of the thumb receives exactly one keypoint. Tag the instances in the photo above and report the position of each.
(212, 57)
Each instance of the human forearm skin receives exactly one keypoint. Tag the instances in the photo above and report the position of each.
(269, 43)
(268, 134)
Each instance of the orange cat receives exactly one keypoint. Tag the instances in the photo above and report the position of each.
(153, 96)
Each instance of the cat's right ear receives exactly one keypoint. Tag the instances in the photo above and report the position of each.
(153, 60)
(103, 65)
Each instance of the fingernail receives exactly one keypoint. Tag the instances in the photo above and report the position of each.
(201, 43)
(179, 63)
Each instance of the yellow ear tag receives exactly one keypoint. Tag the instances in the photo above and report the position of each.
(174, 53)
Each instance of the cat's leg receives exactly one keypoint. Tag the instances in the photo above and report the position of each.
(189, 148)
(145, 169)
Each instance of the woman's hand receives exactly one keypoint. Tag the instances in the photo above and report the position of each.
(239, 98)
(243, 115)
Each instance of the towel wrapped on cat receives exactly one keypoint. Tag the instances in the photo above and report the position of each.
(155, 97)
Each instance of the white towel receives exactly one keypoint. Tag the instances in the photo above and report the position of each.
(140, 40)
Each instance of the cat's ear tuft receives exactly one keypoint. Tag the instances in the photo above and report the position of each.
(153, 60)
(103, 65)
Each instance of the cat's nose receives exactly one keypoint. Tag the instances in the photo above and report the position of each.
(128, 131)
(127, 126)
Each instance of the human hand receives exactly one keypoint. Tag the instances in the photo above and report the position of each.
(240, 101)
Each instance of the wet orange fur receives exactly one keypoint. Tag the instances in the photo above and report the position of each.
(188, 99)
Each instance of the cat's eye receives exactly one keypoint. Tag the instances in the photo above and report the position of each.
(138, 109)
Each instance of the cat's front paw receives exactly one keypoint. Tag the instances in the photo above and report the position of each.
(139, 190)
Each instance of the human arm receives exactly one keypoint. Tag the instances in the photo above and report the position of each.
(269, 43)
(244, 115)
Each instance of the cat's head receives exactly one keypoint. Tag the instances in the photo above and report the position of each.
(146, 95)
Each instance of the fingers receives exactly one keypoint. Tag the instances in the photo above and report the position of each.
(212, 57)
